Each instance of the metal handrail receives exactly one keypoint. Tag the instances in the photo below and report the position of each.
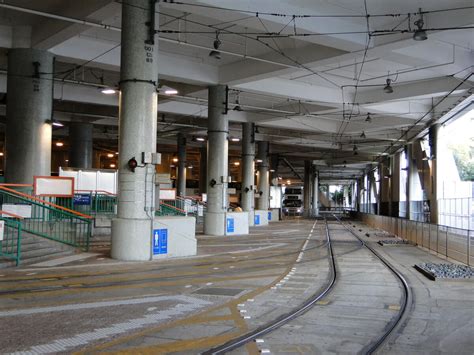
(36, 199)
(51, 221)
(10, 247)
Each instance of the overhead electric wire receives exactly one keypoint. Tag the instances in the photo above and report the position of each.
(344, 124)
(426, 114)
(277, 14)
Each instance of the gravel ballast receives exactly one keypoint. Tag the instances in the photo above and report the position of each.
(445, 271)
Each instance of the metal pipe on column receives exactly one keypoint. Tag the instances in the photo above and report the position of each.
(80, 145)
(217, 163)
(138, 105)
(248, 168)
(263, 202)
(181, 172)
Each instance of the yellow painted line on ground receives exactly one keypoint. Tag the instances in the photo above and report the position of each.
(189, 320)
(180, 345)
(322, 302)
(394, 307)
(83, 288)
(55, 280)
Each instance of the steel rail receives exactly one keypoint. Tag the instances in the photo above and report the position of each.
(285, 318)
(406, 299)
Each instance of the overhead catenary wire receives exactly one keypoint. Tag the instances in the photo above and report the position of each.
(277, 14)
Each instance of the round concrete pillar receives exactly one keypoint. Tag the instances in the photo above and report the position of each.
(80, 145)
(248, 167)
(29, 108)
(181, 173)
(217, 163)
(263, 177)
(132, 230)
(307, 188)
(203, 170)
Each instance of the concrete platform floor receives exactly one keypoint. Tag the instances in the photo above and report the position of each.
(188, 305)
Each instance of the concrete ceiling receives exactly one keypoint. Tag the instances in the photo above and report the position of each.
(309, 95)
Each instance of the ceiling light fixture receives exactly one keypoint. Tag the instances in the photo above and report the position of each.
(217, 43)
(59, 144)
(200, 139)
(167, 90)
(108, 91)
(388, 88)
(235, 139)
(420, 33)
(112, 165)
(110, 155)
(368, 119)
(236, 163)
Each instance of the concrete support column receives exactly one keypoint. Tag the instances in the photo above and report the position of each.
(80, 145)
(181, 172)
(274, 161)
(346, 195)
(263, 177)
(29, 111)
(217, 163)
(307, 188)
(248, 167)
(315, 193)
(203, 170)
(433, 195)
(410, 172)
(132, 230)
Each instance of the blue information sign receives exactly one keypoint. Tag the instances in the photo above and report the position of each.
(269, 216)
(160, 241)
(82, 199)
(257, 220)
(230, 225)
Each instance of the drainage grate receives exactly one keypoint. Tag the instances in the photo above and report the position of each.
(214, 291)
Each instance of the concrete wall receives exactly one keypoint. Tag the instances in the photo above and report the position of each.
(177, 237)
(261, 218)
(237, 223)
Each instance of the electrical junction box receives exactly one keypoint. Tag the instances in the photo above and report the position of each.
(151, 158)
(225, 179)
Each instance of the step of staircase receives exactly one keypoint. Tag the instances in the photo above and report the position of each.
(35, 249)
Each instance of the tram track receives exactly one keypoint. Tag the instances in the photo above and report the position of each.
(286, 318)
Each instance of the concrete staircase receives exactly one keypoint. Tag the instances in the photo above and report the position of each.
(35, 249)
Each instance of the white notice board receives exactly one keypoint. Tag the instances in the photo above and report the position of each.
(53, 186)
(167, 194)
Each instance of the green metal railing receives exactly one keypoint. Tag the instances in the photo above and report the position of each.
(94, 202)
(49, 220)
(10, 245)
(169, 208)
